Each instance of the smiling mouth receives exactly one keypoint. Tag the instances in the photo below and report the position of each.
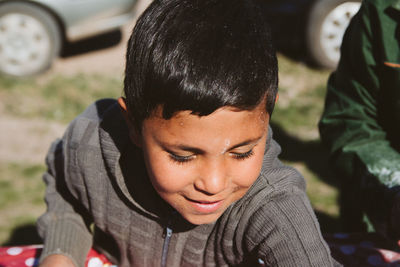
(204, 206)
(205, 202)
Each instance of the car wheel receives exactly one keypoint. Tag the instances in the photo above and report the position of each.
(30, 39)
(327, 23)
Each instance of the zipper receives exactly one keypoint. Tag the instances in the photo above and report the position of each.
(167, 235)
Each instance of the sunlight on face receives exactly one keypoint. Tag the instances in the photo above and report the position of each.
(202, 164)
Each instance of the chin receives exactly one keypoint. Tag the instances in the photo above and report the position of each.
(202, 219)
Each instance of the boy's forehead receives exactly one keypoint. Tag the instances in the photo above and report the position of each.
(221, 117)
(157, 113)
(185, 114)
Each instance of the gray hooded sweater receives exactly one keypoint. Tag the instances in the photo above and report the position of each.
(98, 194)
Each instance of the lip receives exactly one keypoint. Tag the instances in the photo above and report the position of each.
(204, 206)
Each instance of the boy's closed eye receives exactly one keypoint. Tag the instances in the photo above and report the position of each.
(244, 155)
(182, 158)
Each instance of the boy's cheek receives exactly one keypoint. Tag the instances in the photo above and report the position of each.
(245, 176)
(253, 168)
(248, 178)
(168, 176)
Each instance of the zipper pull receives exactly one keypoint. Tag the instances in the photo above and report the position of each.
(167, 232)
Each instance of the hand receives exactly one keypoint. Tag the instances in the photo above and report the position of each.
(57, 260)
(395, 216)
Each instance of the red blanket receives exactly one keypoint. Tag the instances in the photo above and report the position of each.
(23, 256)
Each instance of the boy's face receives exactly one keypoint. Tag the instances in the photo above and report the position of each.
(201, 165)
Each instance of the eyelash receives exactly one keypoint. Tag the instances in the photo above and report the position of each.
(243, 156)
(180, 159)
(184, 159)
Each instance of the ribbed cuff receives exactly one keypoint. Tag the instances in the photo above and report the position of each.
(66, 238)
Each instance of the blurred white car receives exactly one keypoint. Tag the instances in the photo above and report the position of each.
(327, 23)
(32, 32)
(312, 26)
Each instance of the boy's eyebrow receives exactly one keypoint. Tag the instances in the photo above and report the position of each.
(200, 151)
(247, 142)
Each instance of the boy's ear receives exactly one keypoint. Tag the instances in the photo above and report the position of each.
(133, 132)
(277, 97)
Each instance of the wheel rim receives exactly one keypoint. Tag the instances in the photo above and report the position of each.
(334, 26)
(25, 45)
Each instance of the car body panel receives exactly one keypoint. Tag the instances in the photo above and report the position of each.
(84, 18)
(310, 30)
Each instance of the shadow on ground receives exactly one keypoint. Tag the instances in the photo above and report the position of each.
(298, 53)
(328, 223)
(311, 153)
(295, 53)
(23, 235)
(99, 42)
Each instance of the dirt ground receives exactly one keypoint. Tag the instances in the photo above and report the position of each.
(28, 140)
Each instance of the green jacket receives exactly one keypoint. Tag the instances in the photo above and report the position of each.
(361, 121)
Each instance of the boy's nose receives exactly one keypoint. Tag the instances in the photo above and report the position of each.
(212, 178)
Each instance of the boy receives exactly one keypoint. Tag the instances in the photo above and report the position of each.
(183, 171)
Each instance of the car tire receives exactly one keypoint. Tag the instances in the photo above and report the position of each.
(328, 20)
(30, 39)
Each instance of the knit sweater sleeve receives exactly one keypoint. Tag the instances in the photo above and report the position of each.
(285, 232)
(65, 225)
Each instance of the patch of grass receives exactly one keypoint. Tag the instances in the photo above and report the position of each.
(288, 66)
(58, 98)
(21, 196)
(321, 194)
(302, 113)
(302, 91)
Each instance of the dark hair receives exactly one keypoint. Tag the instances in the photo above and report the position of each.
(199, 55)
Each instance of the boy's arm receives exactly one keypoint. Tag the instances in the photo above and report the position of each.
(285, 232)
(64, 226)
(57, 261)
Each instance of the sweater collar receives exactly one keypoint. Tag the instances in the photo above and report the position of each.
(125, 165)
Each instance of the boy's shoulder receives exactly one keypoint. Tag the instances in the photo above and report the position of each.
(275, 208)
(97, 110)
(274, 173)
(102, 114)
(276, 181)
